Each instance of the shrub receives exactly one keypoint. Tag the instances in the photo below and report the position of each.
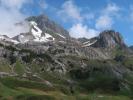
(34, 97)
(102, 82)
(12, 58)
(119, 58)
(79, 74)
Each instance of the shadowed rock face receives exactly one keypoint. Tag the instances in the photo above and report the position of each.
(110, 39)
(131, 47)
(47, 25)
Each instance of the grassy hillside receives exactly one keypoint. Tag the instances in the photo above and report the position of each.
(14, 89)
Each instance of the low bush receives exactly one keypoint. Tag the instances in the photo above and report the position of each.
(34, 97)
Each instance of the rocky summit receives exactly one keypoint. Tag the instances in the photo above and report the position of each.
(47, 63)
(110, 39)
(46, 25)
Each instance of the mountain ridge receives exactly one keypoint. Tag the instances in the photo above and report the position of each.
(96, 48)
(55, 63)
(106, 39)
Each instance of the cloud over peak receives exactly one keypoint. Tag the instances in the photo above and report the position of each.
(79, 30)
(72, 13)
(13, 4)
(104, 22)
(10, 15)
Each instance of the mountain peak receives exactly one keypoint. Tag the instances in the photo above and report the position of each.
(110, 39)
(42, 29)
(48, 26)
(35, 34)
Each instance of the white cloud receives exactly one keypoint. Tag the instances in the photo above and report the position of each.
(17, 4)
(79, 30)
(104, 22)
(10, 15)
(111, 9)
(106, 19)
(70, 11)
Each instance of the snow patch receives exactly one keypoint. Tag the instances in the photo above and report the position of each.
(35, 30)
(45, 38)
(61, 35)
(88, 43)
(35, 34)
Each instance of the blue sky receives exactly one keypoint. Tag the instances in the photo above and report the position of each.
(82, 18)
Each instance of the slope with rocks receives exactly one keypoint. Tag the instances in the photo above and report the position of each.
(6, 39)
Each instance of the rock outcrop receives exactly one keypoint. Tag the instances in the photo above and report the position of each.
(110, 39)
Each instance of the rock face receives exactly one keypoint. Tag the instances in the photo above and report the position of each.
(48, 26)
(131, 47)
(109, 39)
